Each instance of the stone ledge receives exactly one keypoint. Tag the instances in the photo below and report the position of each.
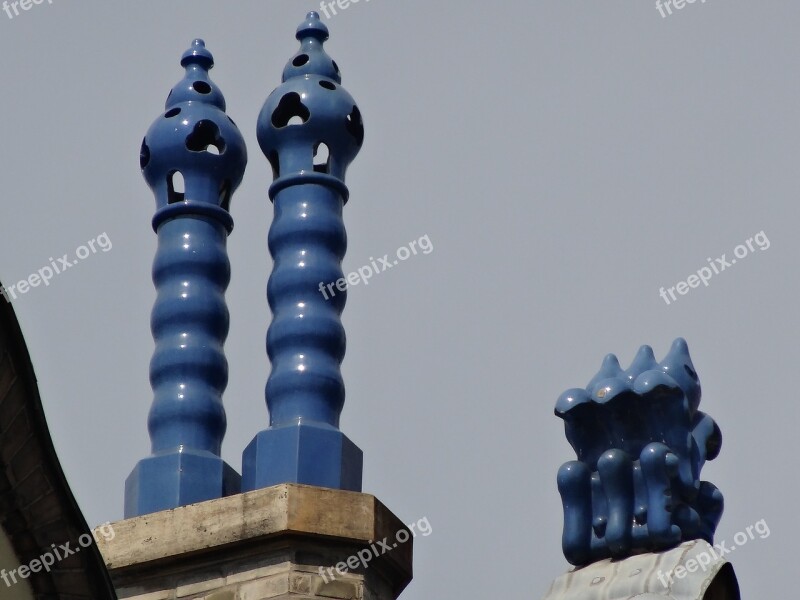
(255, 524)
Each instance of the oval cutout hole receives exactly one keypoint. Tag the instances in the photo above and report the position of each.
(322, 158)
(176, 187)
(144, 155)
(355, 126)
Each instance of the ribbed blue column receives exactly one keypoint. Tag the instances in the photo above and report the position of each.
(193, 141)
(308, 114)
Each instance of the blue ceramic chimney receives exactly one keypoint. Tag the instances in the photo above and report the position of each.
(193, 145)
(310, 129)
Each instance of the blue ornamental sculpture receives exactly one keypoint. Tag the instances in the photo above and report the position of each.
(193, 140)
(640, 442)
(309, 129)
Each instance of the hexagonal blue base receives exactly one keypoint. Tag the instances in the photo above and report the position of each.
(313, 454)
(170, 480)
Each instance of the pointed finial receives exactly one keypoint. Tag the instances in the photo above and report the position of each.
(609, 368)
(198, 55)
(196, 84)
(312, 59)
(195, 139)
(644, 360)
(312, 27)
(678, 365)
(309, 110)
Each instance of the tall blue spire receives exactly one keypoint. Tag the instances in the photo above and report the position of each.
(195, 142)
(310, 129)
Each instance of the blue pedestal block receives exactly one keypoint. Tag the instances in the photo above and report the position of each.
(312, 454)
(181, 478)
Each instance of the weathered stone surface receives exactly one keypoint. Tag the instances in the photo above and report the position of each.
(265, 544)
(690, 571)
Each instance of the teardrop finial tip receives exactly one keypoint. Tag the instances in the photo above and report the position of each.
(313, 27)
(198, 54)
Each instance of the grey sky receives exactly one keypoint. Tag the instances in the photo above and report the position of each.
(566, 160)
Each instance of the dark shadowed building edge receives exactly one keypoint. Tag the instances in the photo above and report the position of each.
(37, 508)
